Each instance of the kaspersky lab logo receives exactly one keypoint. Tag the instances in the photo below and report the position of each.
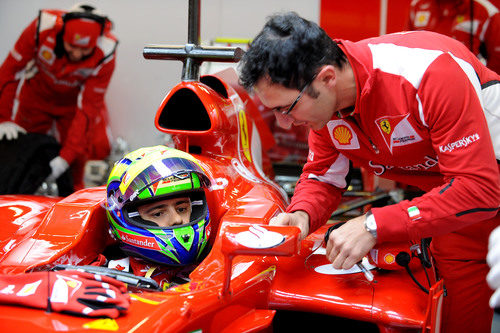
(462, 143)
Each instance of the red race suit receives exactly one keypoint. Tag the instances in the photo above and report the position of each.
(461, 20)
(426, 114)
(51, 88)
(166, 276)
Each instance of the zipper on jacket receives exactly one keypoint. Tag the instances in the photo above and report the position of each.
(373, 146)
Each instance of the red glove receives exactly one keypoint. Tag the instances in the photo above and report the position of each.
(71, 292)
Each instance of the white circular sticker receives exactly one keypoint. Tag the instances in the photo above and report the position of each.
(329, 270)
(258, 237)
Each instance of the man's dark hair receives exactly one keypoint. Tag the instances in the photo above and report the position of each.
(289, 49)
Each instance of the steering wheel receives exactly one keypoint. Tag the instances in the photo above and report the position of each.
(128, 278)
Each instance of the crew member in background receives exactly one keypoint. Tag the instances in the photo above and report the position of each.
(476, 23)
(58, 72)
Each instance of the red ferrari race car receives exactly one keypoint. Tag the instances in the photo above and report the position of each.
(256, 277)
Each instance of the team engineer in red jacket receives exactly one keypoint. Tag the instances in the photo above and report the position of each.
(60, 67)
(418, 108)
(476, 23)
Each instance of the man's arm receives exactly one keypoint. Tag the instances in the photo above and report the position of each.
(492, 43)
(90, 104)
(471, 190)
(459, 133)
(322, 182)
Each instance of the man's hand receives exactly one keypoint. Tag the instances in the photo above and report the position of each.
(298, 218)
(348, 244)
(58, 165)
(10, 130)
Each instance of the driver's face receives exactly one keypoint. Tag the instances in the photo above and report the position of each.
(168, 212)
(76, 53)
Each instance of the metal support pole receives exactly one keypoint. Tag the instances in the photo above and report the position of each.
(192, 54)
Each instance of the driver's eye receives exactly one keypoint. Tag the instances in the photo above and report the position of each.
(158, 214)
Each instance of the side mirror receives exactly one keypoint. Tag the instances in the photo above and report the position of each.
(255, 240)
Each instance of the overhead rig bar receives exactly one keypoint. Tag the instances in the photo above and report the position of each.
(192, 54)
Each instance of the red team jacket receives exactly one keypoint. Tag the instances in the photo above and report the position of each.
(454, 19)
(57, 85)
(419, 119)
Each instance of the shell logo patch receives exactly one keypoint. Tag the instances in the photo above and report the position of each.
(342, 134)
(47, 54)
(389, 258)
(422, 18)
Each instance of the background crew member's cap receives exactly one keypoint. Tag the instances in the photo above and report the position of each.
(82, 32)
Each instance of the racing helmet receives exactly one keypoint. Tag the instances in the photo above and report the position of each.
(147, 175)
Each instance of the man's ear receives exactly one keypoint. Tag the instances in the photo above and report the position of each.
(327, 76)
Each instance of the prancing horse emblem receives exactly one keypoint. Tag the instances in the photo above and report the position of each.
(385, 126)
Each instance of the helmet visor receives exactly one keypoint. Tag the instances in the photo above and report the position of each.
(174, 174)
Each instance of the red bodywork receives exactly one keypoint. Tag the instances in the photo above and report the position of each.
(235, 288)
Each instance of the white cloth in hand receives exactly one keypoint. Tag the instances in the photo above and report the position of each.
(10, 130)
(58, 166)
(493, 259)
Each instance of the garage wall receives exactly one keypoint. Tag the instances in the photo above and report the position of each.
(138, 85)
(344, 19)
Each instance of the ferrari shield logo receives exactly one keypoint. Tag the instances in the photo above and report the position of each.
(385, 126)
(397, 131)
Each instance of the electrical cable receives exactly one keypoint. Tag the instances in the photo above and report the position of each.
(403, 260)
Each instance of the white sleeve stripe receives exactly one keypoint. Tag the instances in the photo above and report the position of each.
(107, 45)
(485, 28)
(47, 21)
(410, 63)
(471, 74)
(421, 111)
(336, 174)
(490, 8)
(491, 97)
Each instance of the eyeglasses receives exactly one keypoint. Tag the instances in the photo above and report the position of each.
(290, 108)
